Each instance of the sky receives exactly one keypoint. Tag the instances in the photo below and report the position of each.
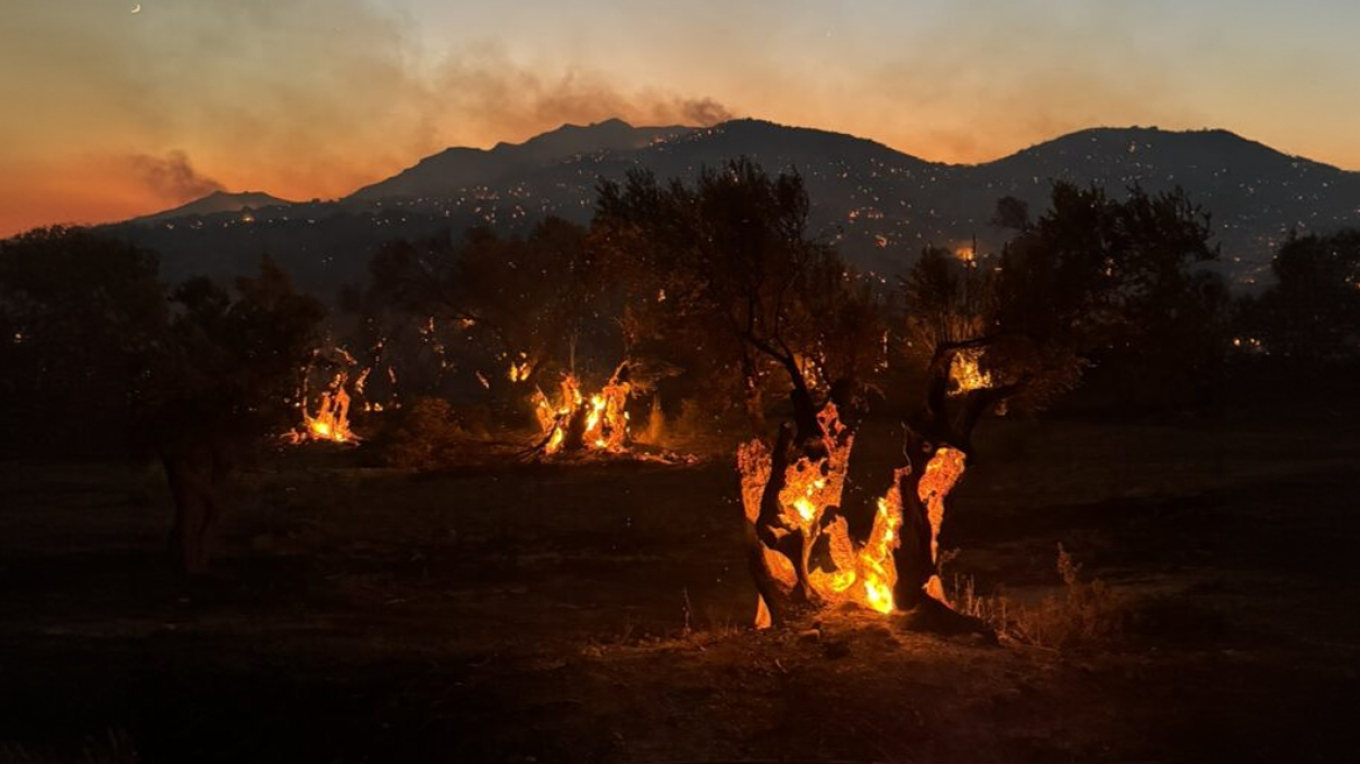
(107, 113)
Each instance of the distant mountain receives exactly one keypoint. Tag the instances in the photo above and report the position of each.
(1255, 194)
(456, 169)
(216, 202)
(878, 205)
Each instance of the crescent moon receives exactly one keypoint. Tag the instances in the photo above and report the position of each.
(137, 8)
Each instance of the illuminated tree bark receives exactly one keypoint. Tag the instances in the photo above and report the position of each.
(792, 500)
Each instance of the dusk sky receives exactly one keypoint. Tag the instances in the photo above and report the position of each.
(110, 113)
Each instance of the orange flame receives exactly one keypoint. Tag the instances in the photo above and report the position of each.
(331, 421)
(606, 420)
(521, 369)
(966, 374)
(864, 574)
(942, 473)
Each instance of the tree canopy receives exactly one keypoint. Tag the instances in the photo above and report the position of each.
(1312, 312)
(100, 358)
(729, 265)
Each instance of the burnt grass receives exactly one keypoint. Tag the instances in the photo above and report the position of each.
(598, 612)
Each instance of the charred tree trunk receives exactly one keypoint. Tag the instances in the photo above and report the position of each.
(940, 443)
(913, 559)
(784, 599)
(848, 395)
(574, 436)
(924, 489)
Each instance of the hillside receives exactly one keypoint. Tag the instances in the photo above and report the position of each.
(879, 205)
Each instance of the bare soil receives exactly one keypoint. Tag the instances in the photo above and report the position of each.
(599, 612)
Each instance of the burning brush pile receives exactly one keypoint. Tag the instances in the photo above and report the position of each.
(576, 427)
(328, 420)
(325, 394)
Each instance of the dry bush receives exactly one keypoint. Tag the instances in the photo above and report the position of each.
(428, 434)
(1086, 613)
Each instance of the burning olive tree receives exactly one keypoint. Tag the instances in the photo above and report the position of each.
(109, 361)
(520, 316)
(742, 276)
(734, 260)
(1090, 280)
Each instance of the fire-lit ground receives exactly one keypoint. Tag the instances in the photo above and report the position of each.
(599, 612)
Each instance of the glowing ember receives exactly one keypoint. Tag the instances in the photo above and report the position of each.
(520, 370)
(966, 375)
(876, 567)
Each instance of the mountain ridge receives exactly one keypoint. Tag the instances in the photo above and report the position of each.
(216, 202)
(458, 167)
(880, 206)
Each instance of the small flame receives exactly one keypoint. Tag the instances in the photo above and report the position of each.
(331, 421)
(519, 371)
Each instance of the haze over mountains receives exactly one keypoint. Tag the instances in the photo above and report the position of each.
(880, 206)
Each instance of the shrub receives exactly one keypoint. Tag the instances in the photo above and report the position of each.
(1087, 612)
(428, 434)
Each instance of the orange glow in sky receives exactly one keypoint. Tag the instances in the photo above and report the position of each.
(111, 114)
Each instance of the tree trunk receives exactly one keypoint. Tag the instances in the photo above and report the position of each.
(574, 438)
(783, 599)
(924, 490)
(913, 558)
(194, 474)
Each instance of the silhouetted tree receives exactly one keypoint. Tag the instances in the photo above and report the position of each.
(226, 376)
(1120, 282)
(1012, 213)
(1311, 314)
(728, 265)
(104, 362)
(484, 303)
(82, 317)
(1094, 279)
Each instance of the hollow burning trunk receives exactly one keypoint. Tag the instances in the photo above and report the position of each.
(576, 425)
(923, 490)
(777, 545)
(800, 552)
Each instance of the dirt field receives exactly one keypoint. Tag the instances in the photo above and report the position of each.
(599, 613)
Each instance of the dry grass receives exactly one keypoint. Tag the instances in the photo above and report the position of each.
(116, 747)
(1086, 613)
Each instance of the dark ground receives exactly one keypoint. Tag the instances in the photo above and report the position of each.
(598, 613)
